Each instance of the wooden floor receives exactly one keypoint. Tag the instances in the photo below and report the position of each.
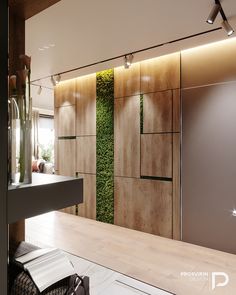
(154, 260)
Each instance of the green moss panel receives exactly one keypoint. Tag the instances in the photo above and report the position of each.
(105, 146)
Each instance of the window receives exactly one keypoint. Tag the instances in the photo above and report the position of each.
(46, 138)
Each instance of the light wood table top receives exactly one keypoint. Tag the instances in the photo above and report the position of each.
(151, 259)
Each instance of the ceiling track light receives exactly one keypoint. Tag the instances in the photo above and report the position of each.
(40, 90)
(55, 79)
(213, 14)
(128, 59)
(58, 79)
(229, 30)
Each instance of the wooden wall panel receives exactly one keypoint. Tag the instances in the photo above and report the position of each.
(127, 136)
(56, 154)
(86, 105)
(66, 157)
(64, 93)
(144, 205)
(209, 64)
(127, 81)
(88, 208)
(176, 188)
(157, 112)
(156, 155)
(16, 233)
(66, 163)
(65, 121)
(161, 73)
(176, 110)
(69, 210)
(86, 154)
(27, 8)
(16, 42)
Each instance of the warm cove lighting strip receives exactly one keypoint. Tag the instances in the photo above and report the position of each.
(210, 44)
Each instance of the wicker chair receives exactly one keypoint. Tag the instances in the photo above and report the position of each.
(23, 285)
(20, 283)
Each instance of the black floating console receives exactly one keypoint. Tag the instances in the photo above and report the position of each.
(46, 193)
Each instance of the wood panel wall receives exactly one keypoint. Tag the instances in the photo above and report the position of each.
(66, 163)
(65, 122)
(27, 8)
(147, 178)
(146, 143)
(75, 128)
(210, 64)
(159, 74)
(127, 81)
(127, 136)
(144, 205)
(157, 115)
(86, 105)
(88, 208)
(86, 141)
(156, 155)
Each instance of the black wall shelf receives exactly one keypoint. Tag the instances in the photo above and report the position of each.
(46, 193)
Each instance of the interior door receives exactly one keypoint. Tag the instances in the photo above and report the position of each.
(209, 166)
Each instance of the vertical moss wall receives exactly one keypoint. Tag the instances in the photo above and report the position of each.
(105, 146)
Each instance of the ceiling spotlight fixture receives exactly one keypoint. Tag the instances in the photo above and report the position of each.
(58, 78)
(234, 212)
(40, 90)
(55, 79)
(229, 30)
(128, 60)
(213, 14)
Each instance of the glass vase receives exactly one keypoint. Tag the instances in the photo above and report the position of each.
(20, 140)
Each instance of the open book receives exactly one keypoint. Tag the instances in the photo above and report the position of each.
(46, 266)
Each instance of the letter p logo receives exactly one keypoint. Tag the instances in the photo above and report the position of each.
(219, 284)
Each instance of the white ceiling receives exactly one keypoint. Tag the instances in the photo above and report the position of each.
(43, 101)
(81, 32)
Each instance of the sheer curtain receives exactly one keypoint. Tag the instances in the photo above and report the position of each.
(35, 134)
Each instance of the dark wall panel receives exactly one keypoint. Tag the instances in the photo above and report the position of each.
(3, 146)
(209, 166)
